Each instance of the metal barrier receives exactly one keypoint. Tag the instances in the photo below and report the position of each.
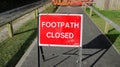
(34, 8)
(108, 21)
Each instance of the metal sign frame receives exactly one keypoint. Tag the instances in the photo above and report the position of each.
(40, 48)
(68, 15)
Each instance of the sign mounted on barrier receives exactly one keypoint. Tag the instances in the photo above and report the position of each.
(63, 30)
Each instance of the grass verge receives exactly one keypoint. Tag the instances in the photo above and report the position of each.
(50, 9)
(12, 49)
(113, 34)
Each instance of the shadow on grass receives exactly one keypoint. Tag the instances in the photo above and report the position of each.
(25, 31)
(112, 36)
(22, 50)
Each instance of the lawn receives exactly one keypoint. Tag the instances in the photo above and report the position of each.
(12, 49)
(50, 9)
(112, 34)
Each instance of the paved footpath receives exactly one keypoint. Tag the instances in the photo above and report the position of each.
(97, 50)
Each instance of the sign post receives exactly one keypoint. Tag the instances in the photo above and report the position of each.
(61, 30)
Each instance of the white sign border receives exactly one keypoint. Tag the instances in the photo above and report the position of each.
(56, 45)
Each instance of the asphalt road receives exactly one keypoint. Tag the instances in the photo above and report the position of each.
(97, 50)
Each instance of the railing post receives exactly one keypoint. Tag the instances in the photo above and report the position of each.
(94, 4)
(85, 6)
(10, 29)
(36, 13)
(90, 12)
(106, 28)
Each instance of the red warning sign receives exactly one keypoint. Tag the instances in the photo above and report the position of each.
(63, 30)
